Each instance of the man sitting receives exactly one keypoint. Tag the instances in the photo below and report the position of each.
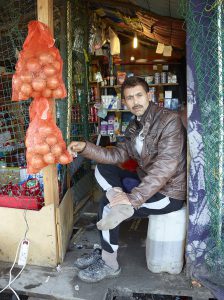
(156, 140)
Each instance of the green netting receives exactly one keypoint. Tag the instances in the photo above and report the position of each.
(14, 118)
(205, 23)
(82, 127)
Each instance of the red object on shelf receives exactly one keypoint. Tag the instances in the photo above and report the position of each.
(22, 202)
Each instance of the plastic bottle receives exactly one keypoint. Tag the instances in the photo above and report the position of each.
(165, 242)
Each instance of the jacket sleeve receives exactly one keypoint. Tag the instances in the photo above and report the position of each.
(165, 165)
(103, 155)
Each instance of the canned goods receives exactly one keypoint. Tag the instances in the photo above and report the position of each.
(163, 77)
(157, 78)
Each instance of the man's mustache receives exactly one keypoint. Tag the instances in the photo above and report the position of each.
(137, 106)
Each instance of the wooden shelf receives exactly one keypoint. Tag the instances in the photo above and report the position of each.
(121, 110)
(152, 84)
(163, 84)
(148, 63)
(117, 135)
(110, 86)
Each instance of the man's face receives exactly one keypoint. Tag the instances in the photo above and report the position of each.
(136, 99)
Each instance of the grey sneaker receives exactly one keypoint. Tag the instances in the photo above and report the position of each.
(88, 259)
(97, 272)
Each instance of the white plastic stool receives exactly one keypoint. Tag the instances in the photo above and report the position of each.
(165, 242)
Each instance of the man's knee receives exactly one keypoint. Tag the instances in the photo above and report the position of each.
(100, 168)
(105, 169)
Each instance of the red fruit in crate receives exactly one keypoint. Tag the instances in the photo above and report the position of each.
(58, 93)
(49, 158)
(26, 77)
(33, 65)
(38, 84)
(26, 89)
(49, 70)
(53, 82)
(45, 58)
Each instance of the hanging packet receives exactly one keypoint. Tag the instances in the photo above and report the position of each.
(44, 141)
(39, 67)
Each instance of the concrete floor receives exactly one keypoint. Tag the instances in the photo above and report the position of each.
(62, 283)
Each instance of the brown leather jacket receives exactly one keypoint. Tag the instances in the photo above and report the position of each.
(162, 164)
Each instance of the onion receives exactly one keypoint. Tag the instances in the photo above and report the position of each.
(63, 159)
(56, 150)
(53, 82)
(42, 148)
(49, 70)
(38, 84)
(35, 94)
(27, 143)
(29, 155)
(53, 52)
(45, 58)
(41, 75)
(51, 140)
(44, 131)
(21, 96)
(47, 93)
(26, 89)
(49, 158)
(32, 170)
(16, 81)
(26, 77)
(19, 65)
(37, 139)
(37, 162)
(58, 93)
(57, 65)
(29, 148)
(33, 65)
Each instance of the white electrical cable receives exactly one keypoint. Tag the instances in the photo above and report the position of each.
(10, 271)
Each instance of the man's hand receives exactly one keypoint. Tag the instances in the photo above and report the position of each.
(116, 196)
(76, 147)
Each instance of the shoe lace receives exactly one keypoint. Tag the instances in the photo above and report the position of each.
(95, 252)
(97, 265)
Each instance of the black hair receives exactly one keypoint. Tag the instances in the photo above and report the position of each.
(132, 82)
